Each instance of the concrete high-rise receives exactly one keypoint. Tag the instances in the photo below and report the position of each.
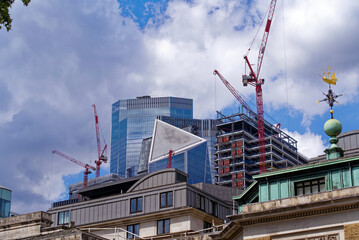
(133, 120)
(237, 155)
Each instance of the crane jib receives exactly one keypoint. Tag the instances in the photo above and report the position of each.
(268, 25)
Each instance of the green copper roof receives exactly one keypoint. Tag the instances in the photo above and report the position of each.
(247, 190)
(306, 167)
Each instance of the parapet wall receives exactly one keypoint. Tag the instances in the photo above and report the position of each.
(25, 225)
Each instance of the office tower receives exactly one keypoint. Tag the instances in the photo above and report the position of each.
(204, 128)
(189, 153)
(133, 120)
(237, 155)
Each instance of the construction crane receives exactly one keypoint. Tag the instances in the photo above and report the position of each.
(235, 94)
(253, 79)
(86, 166)
(102, 158)
(169, 160)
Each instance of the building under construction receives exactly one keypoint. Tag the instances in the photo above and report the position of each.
(237, 152)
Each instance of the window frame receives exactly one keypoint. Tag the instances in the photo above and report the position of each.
(63, 217)
(301, 186)
(166, 204)
(213, 208)
(200, 202)
(207, 225)
(163, 223)
(130, 233)
(138, 207)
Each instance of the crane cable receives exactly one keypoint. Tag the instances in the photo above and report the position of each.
(285, 65)
(260, 26)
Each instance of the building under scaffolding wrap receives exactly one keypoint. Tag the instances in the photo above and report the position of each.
(237, 155)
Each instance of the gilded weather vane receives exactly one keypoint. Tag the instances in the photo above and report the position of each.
(330, 97)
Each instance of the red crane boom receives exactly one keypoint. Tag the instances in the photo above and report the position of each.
(86, 166)
(101, 154)
(253, 79)
(235, 93)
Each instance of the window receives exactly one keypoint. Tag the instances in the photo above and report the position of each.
(163, 226)
(63, 217)
(310, 186)
(136, 205)
(135, 229)
(213, 208)
(166, 199)
(207, 225)
(200, 202)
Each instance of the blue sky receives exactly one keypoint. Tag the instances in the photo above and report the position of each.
(63, 56)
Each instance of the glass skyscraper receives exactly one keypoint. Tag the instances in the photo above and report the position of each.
(204, 128)
(133, 120)
(191, 153)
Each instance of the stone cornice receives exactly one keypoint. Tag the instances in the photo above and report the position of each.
(297, 211)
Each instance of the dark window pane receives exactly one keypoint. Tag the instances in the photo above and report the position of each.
(66, 217)
(167, 226)
(169, 199)
(130, 230)
(202, 202)
(139, 204)
(61, 218)
(163, 200)
(300, 191)
(136, 229)
(133, 205)
(215, 212)
(160, 227)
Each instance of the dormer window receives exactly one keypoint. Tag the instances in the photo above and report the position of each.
(310, 186)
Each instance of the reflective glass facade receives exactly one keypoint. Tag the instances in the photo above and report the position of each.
(133, 120)
(5, 202)
(204, 128)
(194, 162)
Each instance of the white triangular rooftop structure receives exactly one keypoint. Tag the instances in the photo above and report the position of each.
(166, 137)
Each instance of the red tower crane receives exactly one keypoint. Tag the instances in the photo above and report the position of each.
(86, 166)
(101, 153)
(253, 79)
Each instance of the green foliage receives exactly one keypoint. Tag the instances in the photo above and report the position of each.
(5, 19)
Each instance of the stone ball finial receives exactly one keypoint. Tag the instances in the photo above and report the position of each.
(333, 127)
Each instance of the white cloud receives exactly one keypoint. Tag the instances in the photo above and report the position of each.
(309, 144)
(63, 56)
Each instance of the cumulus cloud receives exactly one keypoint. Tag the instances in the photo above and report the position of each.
(62, 56)
(59, 59)
(309, 144)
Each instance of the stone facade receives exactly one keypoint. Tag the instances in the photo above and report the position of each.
(37, 226)
(351, 231)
